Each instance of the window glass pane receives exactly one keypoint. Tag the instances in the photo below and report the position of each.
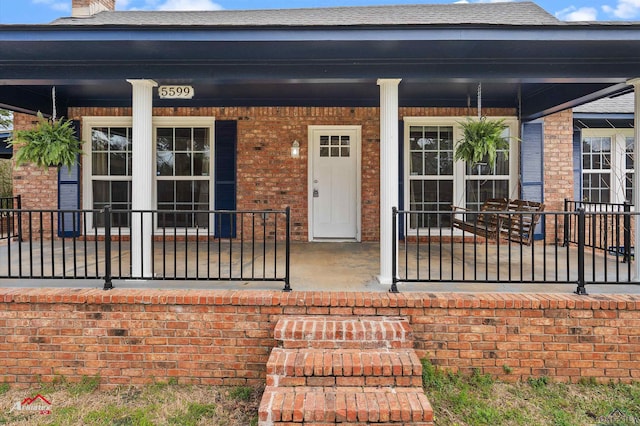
(201, 139)
(324, 152)
(431, 166)
(118, 164)
(324, 140)
(118, 140)
(416, 163)
(164, 141)
(344, 152)
(184, 192)
(165, 191)
(183, 164)
(99, 139)
(183, 139)
(100, 163)
(201, 164)
(165, 163)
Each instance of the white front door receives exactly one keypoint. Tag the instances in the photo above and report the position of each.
(334, 183)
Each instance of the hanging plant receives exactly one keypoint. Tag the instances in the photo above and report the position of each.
(481, 141)
(49, 143)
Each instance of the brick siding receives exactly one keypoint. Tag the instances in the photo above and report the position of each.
(37, 186)
(268, 178)
(225, 337)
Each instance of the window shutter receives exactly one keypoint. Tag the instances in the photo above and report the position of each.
(577, 165)
(531, 166)
(226, 132)
(69, 196)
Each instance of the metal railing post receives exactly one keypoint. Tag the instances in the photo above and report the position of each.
(581, 237)
(566, 224)
(394, 249)
(627, 232)
(108, 285)
(19, 201)
(287, 276)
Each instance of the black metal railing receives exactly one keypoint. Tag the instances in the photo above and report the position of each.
(602, 230)
(430, 253)
(9, 222)
(150, 245)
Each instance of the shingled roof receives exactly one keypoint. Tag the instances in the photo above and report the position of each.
(509, 13)
(620, 104)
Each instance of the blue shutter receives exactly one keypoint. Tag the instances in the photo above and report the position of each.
(531, 167)
(226, 133)
(577, 165)
(69, 196)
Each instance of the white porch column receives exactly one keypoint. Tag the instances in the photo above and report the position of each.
(142, 176)
(636, 175)
(388, 172)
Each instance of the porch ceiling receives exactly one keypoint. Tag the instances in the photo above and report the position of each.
(541, 69)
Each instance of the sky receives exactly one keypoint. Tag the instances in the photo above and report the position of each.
(43, 11)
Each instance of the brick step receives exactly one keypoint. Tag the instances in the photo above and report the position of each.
(296, 332)
(353, 405)
(347, 367)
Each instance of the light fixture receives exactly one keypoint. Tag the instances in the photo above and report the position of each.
(295, 149)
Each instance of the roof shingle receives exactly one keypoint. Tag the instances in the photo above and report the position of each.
(508, 13)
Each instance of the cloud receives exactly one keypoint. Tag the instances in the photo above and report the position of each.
(482, 1)
(59, 5)
(167, 5)
(189, 5)
(573, 13)
(625, 9)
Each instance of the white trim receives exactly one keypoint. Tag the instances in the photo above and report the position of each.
(459, 169)
(310, 153)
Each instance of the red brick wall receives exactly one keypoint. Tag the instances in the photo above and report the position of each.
(268, 178)
(38, 187)
(558, 166)
(558, 159)
(225, 337)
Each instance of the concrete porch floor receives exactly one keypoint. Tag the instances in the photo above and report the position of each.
(353, 267)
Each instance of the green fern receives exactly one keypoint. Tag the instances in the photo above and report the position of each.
(50, 143)
(481, 140)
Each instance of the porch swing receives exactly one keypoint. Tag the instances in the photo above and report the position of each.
(498, 218)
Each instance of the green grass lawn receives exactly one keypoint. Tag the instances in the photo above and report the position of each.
(457, 399)
(478, 399)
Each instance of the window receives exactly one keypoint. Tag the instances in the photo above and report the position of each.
(607, 165)
(183, 169)
(110, 179)
(183, 165)
(434, 181)
(430, 173)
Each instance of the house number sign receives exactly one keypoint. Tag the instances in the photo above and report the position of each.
(175, 92)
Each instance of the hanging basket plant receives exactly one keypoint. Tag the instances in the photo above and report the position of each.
(49, 143)
(481, 141)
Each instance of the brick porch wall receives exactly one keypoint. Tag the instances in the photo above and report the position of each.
(225, 337)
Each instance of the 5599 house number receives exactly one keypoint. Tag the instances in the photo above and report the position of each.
(175, 92)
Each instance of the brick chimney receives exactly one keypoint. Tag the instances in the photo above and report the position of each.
(86, 8)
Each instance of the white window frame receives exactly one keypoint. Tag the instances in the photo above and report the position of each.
(618, 167)
(90, 122)
(174, 122)
(459, 167)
